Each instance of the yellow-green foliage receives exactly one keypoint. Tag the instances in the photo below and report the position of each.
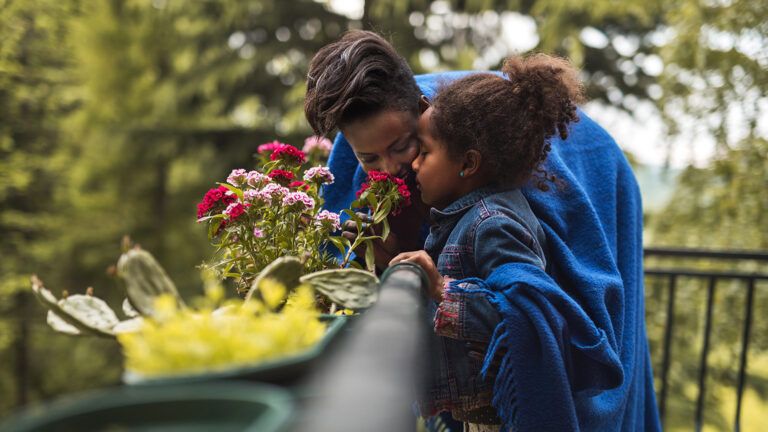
(181, 341)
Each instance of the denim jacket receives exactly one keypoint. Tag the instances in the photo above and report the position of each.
(470, 238)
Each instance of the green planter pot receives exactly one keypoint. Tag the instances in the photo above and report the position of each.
(221, 407)
(284, 370)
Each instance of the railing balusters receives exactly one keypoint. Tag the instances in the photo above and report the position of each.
(744, 348)
(704, 353)
(667, 346)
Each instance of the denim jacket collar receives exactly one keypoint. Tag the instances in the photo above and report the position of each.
(461, 205)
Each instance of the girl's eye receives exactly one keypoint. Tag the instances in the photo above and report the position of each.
(367, 160)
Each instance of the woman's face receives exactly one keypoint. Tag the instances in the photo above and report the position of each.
(386, 141)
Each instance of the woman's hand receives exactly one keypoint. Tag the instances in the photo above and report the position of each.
(383, 251)
(423, 259)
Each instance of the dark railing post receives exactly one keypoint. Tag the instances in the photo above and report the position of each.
(21, 347)
(371, 382)
(744, 350)
(667, 347)
(704, 353)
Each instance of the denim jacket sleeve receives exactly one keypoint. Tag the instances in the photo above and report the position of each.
(498, 239)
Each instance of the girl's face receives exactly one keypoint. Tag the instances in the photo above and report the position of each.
(385, 141)
(437, 174)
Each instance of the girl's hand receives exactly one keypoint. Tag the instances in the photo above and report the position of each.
(383, 251)
(423, 259)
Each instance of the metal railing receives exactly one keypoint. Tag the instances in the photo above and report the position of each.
(673, 275)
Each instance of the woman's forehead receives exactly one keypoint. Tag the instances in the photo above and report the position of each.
(378, 132)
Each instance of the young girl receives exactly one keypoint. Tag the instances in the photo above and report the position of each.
(483, 137)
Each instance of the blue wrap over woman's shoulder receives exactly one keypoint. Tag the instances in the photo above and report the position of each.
(572, 339)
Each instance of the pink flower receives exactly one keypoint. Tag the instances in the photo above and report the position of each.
(319, 174)
(288, 153)
(258, 233)
(237, 177)
(252, 195)
(318, 144)
(271, 191)
(269, 147)
(256, 179)
(328, 219)
(299, 198)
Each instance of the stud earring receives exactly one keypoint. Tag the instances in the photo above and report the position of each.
(461, 174)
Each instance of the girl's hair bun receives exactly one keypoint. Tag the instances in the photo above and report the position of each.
(548, 86)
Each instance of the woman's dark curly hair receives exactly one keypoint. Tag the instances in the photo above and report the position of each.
(509, 121)
(359, 75)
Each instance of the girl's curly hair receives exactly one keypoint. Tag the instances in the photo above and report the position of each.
(510, 121)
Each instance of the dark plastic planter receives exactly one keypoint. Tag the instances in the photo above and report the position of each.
(285, 370)
(220, 407)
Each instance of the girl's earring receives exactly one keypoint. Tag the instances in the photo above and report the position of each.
(461, 174)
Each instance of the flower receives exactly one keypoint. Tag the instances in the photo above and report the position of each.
(382, 185)
(271, 191)
(237, 177)
(299, 185)
(212, 198)
(235, 210)
(258, 233)
(269, 147)
(299, 197)
(318, 144)
(281, 176)
(256, 179)
(252, 195)
(328, 219)
(319, 174)
(288, 153)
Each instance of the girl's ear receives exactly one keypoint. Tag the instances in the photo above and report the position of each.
(423, 104)
(472, 161)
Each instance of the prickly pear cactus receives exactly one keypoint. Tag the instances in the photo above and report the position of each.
(351, 288)
(286, 270)
(77, 314)
(145, 280)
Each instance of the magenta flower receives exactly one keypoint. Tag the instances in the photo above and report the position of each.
(269, 147)
(235, 210)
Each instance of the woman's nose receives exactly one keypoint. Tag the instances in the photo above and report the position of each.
(415, 164)
(392, 167)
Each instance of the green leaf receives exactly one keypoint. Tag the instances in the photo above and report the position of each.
(385, 229)
(351, 288)
(370, 257)
(341, 243)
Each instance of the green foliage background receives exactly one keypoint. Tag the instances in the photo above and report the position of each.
(116, 116)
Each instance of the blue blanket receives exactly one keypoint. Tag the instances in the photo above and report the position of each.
(572, 339)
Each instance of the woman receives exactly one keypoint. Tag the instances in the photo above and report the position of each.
(593, 228)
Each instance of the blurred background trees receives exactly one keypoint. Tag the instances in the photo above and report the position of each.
(116, 116)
